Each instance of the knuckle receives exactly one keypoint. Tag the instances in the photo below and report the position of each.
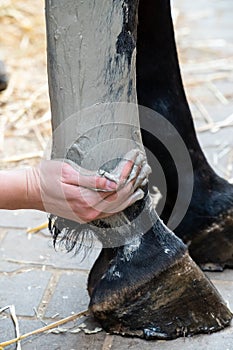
(91, 215)
(65, 171)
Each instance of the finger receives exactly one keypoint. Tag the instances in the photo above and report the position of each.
(116, 199)
(98, 183)
(89, 198)
(126, 169)
(109, 181)
(126, 165)
(87, 179)
(133, 176)
(144, 182)
(140, 171)
(123, 169)
(142, 175)
(138, 162)
(136, 196)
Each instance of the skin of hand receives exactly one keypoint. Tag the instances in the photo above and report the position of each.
(74, 193)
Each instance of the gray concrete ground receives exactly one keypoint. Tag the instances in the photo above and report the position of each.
(46, 285)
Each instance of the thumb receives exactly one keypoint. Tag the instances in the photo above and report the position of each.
(97, 182)
(85, 178)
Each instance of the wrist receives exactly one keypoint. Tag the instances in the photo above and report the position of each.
(13, 186)
(34, 200)
(20, 189)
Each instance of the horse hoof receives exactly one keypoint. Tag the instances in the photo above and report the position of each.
(178, 301)
(212, 247)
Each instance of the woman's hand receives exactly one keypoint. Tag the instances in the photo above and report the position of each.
(81, 195)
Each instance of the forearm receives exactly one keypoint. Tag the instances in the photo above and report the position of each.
(14, 191)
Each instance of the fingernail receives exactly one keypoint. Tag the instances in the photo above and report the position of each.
(140, 194)
(148, 169)
(144, 182)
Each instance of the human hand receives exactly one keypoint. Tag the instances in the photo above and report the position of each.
(82, 195)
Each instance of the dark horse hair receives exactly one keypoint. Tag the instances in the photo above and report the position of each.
(114, 231)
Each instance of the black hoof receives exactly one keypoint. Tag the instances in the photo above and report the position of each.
(99, 268)
(152, 289)
(207, 228)
(212, 247)
(131, 299)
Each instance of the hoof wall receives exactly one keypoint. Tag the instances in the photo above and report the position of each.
(179, 301)
(212, 248)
